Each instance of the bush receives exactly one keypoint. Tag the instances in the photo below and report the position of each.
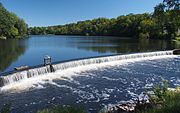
(164, 100)
(178, 38)
(6, 108)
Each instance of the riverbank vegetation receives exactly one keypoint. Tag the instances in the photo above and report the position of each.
(164, 23)
(11, 26)
(164, 101)
(178, 38)
(169, 104)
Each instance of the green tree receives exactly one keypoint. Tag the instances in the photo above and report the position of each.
(160, 18)
(167, 16)
(163, 23)
(147, 28)
(10, 25)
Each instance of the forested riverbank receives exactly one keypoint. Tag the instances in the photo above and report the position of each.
(163, 23)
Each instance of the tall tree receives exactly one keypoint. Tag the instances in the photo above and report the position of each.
(11, 26)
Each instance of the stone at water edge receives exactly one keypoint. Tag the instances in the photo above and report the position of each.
(176, 52)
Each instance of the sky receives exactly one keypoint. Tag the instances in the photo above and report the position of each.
(60, 12)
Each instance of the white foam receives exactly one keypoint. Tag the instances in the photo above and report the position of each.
(69, 73)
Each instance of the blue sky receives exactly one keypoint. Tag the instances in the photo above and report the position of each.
(59, 12)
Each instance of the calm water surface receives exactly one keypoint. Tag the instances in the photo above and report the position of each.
(31, 51)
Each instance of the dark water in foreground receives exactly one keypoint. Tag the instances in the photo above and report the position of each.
(92, 86)
(31, 51)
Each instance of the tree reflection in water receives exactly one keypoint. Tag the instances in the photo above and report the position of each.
(10, 51)
(124, 45)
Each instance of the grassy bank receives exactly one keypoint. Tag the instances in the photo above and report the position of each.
(165, 102)
(178, 38)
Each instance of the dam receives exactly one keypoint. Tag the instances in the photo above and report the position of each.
(17, 76)
(91, 82)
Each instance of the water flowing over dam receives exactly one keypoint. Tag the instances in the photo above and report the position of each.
(15, 77)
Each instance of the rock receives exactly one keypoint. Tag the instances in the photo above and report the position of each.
(1, 82)
(122, 108)
(121, 111)
(176, 52)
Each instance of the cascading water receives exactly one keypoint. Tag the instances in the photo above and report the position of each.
(5, 80)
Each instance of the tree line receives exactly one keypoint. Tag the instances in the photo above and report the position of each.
(11, 26)
(164, 22)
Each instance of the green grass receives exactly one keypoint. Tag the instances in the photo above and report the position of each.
(178, 38)
(169, 102)
(6, 108)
